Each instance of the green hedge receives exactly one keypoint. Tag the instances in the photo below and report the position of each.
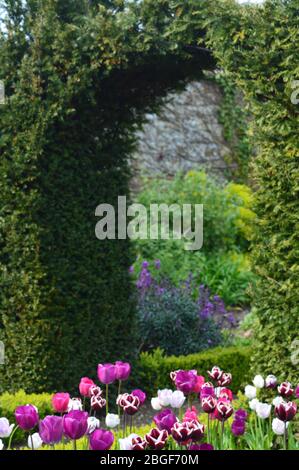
(154, 368)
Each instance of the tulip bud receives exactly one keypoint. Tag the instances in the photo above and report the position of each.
(223, 410)
(209, 404)
(182, 432)
(215, 373)
(75, 404)
(263, 410)
(165, 420)
(129, 403)
(253, 404)
(286, 411)
(271, 381)
(26, 417)
(122, 370)
(92, 424)
(225, 379)
(51, 429)
(75, 424)
(141, 395)
(177, 399)
(238, 427)
(258, 381)
(285, 389)
(156, 439)
(60, 402)
(101, 440)
(107, 373)
(5, 428)
(126, 443)
(85, 386)
(279, 426)
(165, 396)
(112, 420)
(250, 392)
(97, 403)
(138, 443)
(156, 405)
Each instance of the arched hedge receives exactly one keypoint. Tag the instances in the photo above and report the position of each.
(80, 76)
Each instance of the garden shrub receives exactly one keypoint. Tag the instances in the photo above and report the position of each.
(155, 367)
(173, 319)
(222, 264)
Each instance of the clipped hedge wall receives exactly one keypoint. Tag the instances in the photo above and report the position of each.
(154, 368)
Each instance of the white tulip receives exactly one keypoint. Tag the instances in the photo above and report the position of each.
(177, 399)
(277, 401)
(250, 392)
(165, 396)
(112, 420)
(36, 440)
(1, 445)
(93, 423)
(278, 426)
(253, 404)
(156, 405)
(5, 427)
(126, 443)
(258, 381)
(263, 410)
(75, 404)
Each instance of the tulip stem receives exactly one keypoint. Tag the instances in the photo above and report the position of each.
(209, 429)
(74, 444)
(11, 436)
(285, 434)
(107, 397)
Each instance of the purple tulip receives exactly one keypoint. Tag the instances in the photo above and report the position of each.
(107, 373)
(139, 394)
(203, 446)
(122, 370)
(51, 429)
(238, 427)
(101, 440)
(186, 381)
(241, 415)
(75, 424)
(165, 420)
(26, 417)
(207, 390)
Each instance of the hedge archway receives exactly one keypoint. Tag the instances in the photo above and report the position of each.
(80, 75)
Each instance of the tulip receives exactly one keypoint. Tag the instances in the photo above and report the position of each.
(285, 389)
(191, 414)
(34, 441)
(215, 373)
(173, 375)
(238, 427)
(129, 403)
(177, 399)
(277, 400)
(271, 381)
(138, 443)
(253, 404)
(164, 397)
(209, 404)
(101, 440)
(250, 392)
(126, 443)
(182, 432)
(199, 384)
(156, 405)
(26, 417)
(206, 446)
(279, 426)
(258, 381)
(92, 424)
(96, 391)
(140, 394)
(112, 420)
(1, 445)
(286, 411)
(226, 393)
(75, 424)
(122, 370)
(107, 373)
(5, 428)
(165, 420)
(75, 404)
(223, 410)
(225, 379)
(186, 380)
(97, 403)
(197, 430)
(85, 386)
(156, 439)
(207, 390)
(51, 429)
(241, 415)
(263, 410)
(60, 402)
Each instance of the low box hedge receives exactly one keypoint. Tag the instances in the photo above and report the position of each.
(154, 368)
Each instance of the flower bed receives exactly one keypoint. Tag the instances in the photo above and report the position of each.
(212, 420)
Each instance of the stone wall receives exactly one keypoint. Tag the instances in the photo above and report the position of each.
(185, 135)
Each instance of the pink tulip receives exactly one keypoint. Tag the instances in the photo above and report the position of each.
(107, 373)
(60, 402)
(122, 370)
(85, 385)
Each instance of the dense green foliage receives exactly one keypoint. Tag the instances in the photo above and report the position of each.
(222, 264)
(156, 367)
(79, 78)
